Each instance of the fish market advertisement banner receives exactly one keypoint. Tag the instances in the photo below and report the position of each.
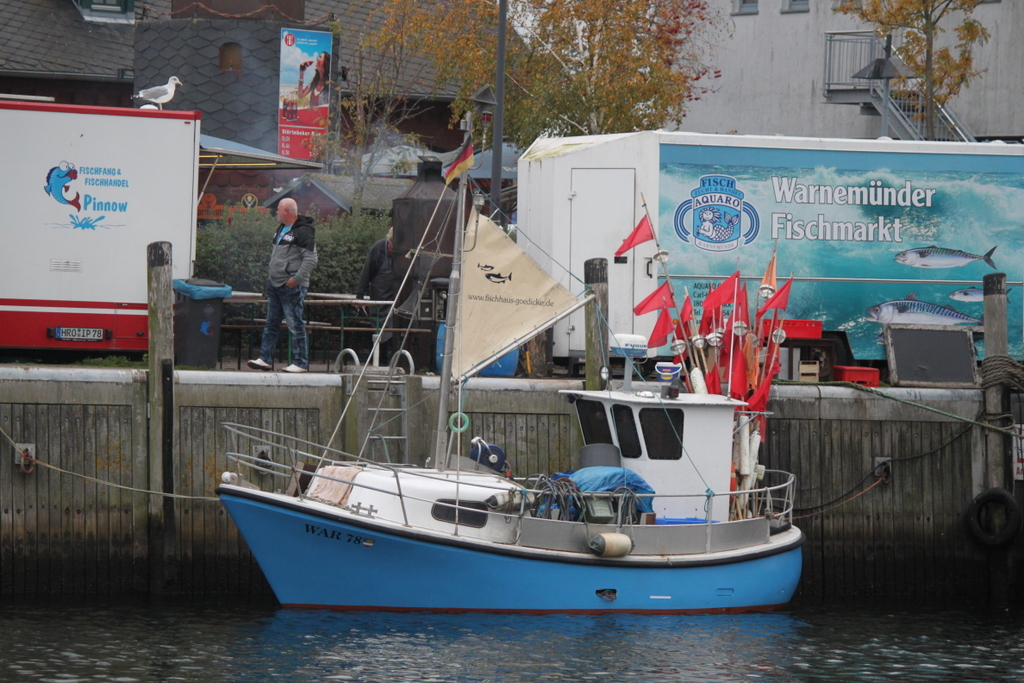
(871, 237)
(303, 91)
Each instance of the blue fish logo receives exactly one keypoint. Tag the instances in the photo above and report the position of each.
(57, 181)
(716, 207)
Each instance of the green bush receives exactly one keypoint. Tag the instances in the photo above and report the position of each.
(342, 243)
(236, 251)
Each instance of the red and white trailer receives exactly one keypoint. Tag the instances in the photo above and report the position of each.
(86, 189)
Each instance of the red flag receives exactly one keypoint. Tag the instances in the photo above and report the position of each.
(740, 310)
(462, 162)
(724, 293)
(660, 298)
(738, 375)
(682, 327)
(685, 315)
(662, 329)
(641, 233)
(713, 381)
(779, 300)
(758, 400)
(707, 322)
(732, 348)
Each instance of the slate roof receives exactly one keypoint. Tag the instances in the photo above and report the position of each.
(235, 106)
(51, 37)
(378, 193)
(359, 14)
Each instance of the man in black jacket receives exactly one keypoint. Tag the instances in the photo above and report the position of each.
(292, 258)
(377, 281)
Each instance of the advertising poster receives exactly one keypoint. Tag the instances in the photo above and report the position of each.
(304, 90)
(870, 237)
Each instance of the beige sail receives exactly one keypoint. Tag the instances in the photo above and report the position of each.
(506, 298)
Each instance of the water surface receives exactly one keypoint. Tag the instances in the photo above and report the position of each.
(245, 640)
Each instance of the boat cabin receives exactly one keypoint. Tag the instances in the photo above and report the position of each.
(682, 447)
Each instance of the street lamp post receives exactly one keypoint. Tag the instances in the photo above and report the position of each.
(498, 134)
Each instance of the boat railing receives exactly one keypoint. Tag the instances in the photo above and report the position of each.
(264, 443)
(773, 500)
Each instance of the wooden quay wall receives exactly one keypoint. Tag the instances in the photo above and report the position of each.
(81, 522)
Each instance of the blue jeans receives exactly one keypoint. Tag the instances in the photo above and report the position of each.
(285, 303)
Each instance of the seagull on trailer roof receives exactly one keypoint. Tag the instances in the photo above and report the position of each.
(160, 93)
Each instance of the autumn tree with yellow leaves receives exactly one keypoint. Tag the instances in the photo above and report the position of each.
(943, 70)
(586, 68)
(573, 67)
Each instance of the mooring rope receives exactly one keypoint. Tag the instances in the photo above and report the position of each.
(879, 480)
(996, 370)
(878, 392)
(1002, 369)
(28, 463)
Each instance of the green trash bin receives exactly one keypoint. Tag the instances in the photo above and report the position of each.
(198, 309)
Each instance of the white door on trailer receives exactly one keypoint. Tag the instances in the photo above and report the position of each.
(602, 216)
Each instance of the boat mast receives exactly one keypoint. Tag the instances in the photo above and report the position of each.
(451, 318)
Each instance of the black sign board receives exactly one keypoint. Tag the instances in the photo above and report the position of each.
(931, 356)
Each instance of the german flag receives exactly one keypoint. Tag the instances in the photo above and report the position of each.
(462, 162)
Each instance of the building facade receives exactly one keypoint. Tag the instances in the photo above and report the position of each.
(773, 74)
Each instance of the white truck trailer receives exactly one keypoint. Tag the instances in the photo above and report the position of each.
(872, 231)
(86, 189)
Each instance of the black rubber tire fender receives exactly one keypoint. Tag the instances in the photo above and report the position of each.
(977, 515)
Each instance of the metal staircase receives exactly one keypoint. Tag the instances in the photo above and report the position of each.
(846, 54)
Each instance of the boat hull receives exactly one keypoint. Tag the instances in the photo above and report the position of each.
(324, 561)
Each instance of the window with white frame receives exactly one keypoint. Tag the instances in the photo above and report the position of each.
(744, 7)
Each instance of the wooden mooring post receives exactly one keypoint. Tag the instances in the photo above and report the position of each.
(161, 415)
(997, 463)
(595, 276)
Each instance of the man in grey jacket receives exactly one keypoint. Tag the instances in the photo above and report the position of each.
(292, 258)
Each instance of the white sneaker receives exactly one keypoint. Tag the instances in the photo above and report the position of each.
(258, 364)
(295, 368)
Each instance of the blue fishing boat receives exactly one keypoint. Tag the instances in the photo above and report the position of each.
(649, 522)
(368, 536)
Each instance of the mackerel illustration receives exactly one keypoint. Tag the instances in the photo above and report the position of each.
(910, 310)
(972, 294)
(940, 257)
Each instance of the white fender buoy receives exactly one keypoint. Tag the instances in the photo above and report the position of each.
(752, 454)
(744, 467)
(697, 381)
(611, 545)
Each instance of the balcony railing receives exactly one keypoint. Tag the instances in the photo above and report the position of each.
(847, 53)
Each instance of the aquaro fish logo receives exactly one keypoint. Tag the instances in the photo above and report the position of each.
(716, 210)
(58, 179)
